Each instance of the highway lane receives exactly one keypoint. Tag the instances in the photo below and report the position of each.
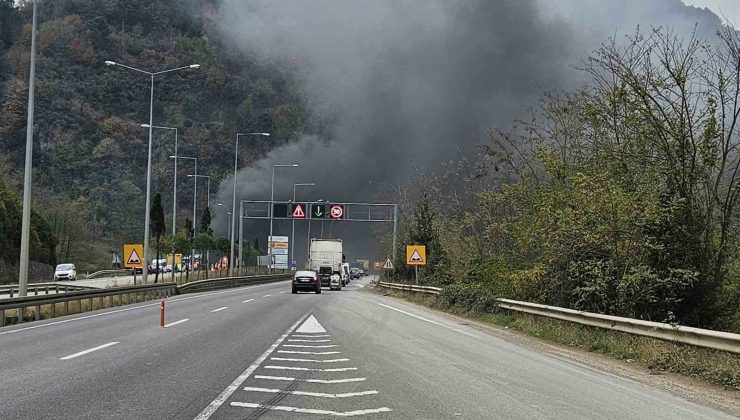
(256, 352)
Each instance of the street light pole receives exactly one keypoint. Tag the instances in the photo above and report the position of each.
(233, 198)
(26, 222)
(174, 182)
(292, 231)
(308, 235)
(272, 204)
(145, 271)
(228, 214)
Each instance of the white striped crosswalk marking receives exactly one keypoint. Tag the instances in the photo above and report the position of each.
(314, 381)
(310, 346)
(310, 394)
(310, 369)
(289, 359)
(312, 410)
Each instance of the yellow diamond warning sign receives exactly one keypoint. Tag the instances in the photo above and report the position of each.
(133, 256)
(416, 255)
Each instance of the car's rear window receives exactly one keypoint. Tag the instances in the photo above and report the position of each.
(65, 267)
(304, 274)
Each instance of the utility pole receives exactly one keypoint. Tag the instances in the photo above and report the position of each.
(26, 223)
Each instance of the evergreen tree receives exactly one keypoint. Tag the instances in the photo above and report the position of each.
(157, 226)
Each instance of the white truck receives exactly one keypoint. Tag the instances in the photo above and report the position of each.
(325, 258)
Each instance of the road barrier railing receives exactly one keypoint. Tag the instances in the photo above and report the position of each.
(719, 340)
(126, 295)
(42, 288)
(92, 298)
(411, 288)
(226, 282)
(110, 273)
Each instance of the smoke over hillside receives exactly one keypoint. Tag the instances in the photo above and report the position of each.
(411, 84)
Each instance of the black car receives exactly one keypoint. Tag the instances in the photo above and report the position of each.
(354, 273)
(307, 281)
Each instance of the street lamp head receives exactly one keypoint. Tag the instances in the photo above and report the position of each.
(195, 66)
(173, 157)
(264, 134)
(145, 125)
(110, 63)
(295, 165)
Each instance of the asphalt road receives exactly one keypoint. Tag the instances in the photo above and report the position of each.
(260, 351)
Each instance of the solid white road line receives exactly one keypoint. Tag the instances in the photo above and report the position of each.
(313, 381)
(247, 301)
(308, 341)
(308, 346)
(310, 336)
(310, 369)
(313, 411)
(220, 309)
(215, 404)
(310, 394)
(283, 359)
(175, 323)
(427, 320)
(307, 352)
(72, 356)
(311, 325)
(132, 308)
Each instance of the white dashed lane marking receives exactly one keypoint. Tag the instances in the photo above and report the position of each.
(84, 352)
(307, 352)
(300, 340)
(220, 309)
(176, 322)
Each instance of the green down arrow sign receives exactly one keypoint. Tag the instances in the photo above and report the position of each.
(317, 211)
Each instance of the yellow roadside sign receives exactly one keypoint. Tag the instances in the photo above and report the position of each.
(416, 255)
(178, 259)
(133, 256)
(278, 245)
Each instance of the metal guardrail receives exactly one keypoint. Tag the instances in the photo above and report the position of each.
(133, 293)
(719, 340)
(36, 288)
(139, 293)
(115, 273)
(226, 282)
(411, 288)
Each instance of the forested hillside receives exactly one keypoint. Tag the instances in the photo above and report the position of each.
(89, 149)
(618, 198)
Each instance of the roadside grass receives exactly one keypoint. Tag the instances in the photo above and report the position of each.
(714, 366)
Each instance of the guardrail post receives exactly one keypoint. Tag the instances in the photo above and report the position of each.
(53, 310)
(2, 317)
(21, 313)
(38, 312)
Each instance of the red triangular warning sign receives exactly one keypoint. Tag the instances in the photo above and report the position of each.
(134, 258)
(298, 212)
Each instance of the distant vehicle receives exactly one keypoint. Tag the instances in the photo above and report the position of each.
(355, 272)
(363, 273)
(325, 258)
(157, 266)
(65, 272)
(345, 274)
(306, 280)
(335, 282)
(167, 269)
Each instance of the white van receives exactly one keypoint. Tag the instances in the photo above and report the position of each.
(345, 274)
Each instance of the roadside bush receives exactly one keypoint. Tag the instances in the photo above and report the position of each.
(469, 297)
